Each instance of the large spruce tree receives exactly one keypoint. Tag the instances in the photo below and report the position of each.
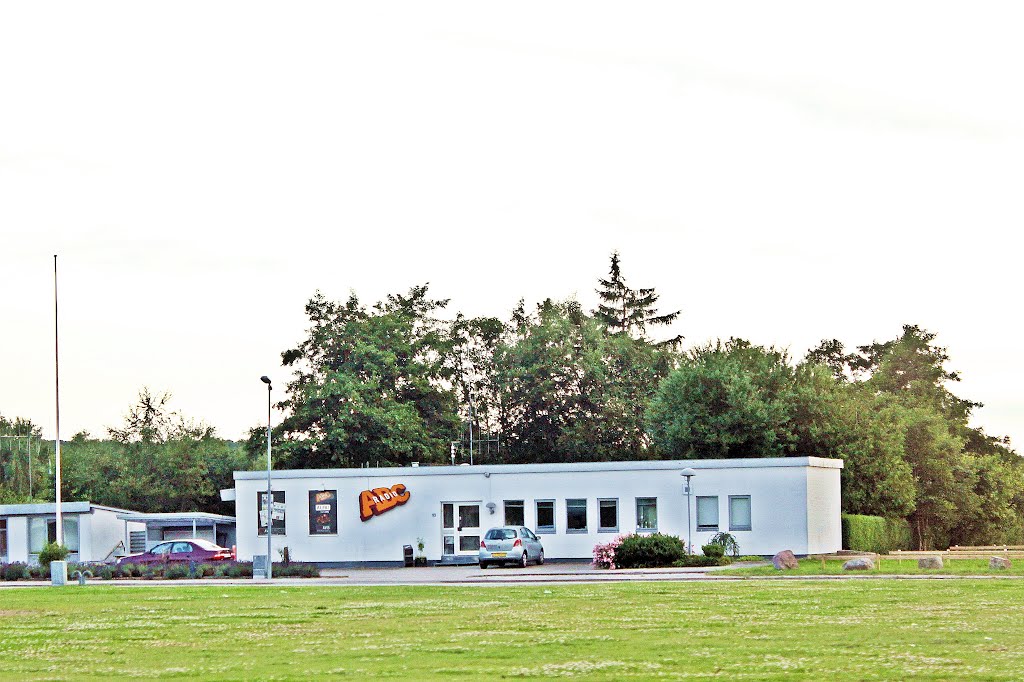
(625, 310)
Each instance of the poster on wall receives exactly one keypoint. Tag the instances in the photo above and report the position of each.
(323, 512)
(277, 513)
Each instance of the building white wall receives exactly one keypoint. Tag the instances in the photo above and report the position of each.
(824, 520)
(794, 505)
(17, 539)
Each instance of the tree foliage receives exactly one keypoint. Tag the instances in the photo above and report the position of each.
(372, 385)
(156, 461)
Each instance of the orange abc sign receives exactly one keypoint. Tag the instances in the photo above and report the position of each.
(379, 500)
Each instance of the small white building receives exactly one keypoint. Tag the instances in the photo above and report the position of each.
(366, 516)
(92, 532)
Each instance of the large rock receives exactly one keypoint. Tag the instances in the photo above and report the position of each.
(928, 562)
(862, 564)
(999, 563)
(785, 560)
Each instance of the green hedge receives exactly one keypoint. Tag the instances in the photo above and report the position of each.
(875, 534)
(649, 551)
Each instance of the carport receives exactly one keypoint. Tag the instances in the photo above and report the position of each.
(216, 528)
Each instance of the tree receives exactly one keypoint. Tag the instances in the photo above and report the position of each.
(157, 461)
(572, 392)
(371, 385)
(625, 310)
(22, 462)
(729, 400)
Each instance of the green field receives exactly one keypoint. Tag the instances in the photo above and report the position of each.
(883, 566)
(862, 629)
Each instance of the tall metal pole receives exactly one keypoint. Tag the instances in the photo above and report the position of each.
(56, 371)
(270, 496)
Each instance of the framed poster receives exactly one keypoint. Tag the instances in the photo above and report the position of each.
(277, 514)
(323, 512)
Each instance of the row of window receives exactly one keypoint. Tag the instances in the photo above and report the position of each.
(3, 539)
(608, 514)
(707, 512)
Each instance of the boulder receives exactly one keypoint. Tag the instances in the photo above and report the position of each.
(999, 563)
(785, 560)
(928, 562)
(862, 564)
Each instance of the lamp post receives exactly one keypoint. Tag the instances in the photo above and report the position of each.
(269, 506)
(688, 473)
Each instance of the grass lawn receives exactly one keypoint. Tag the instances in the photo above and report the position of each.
(856, 630)
(884, 566)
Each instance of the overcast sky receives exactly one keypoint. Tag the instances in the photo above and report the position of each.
(784, 173)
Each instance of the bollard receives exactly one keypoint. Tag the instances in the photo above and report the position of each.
(58, 573)
(81, 575)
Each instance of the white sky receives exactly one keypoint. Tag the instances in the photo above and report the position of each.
(784, 173)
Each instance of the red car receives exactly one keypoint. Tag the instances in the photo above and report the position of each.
(180, 552)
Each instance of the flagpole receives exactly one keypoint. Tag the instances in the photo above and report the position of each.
(56, 368)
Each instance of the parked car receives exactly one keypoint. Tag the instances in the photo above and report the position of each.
(510, 545)
(180, 552)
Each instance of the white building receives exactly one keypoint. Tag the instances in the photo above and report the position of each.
(366, 516)
(91, 531)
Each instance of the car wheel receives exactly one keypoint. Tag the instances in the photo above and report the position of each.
(524, 560)
(540, 558)
(483, 565)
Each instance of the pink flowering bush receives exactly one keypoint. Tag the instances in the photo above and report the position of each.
(604, 555)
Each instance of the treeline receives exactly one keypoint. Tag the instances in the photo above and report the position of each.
(402, 381)
(156, 461)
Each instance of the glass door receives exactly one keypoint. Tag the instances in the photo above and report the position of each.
(460, 528)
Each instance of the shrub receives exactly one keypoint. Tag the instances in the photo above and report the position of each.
(15, 571)
(239, 570)
(649, 551)
(713, 550)
(295, 570)
(39, 572)
(176, 572)
(204, 570)
(604, 555)
(104, 572)
(728, 543)
(875, 533)
(700, 560)
(53, 552)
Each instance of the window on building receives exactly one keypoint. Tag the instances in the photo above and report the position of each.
(42, 531)
(277, 513)
(608, 516)
(545, 516)
(707, 513)
(3, 538)
(739, 512)
(647, 513)
(515, 513)
(576, 516)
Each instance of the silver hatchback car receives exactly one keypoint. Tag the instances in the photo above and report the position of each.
(510, 545)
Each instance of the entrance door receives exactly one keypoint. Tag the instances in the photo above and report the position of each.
(460, 531)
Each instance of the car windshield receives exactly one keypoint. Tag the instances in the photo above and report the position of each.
(500, 534)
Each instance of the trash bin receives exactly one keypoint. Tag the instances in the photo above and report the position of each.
(407, 553)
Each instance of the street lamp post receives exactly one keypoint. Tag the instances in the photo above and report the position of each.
(688, 474)
(269, 506)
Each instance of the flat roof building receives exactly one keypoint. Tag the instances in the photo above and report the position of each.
(92, 532)
(366, 516)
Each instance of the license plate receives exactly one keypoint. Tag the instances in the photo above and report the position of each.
(500, 555)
